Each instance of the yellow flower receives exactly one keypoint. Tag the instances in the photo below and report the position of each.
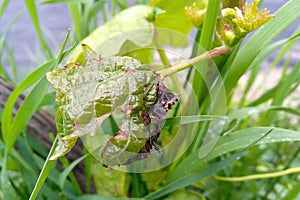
(235, 24)
(251, 19)
(196, 13)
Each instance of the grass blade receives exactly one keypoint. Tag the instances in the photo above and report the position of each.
(191, 119)
(231, 142)
(44, 173)
(98, 197)
(26, 110)
(243, 113)
(27, 82)
(209, 24)
(77, 20)
(271, 93)
(3, 7)
(200, 84)
(187, 180)
(205, 43)
(209, 170)
(6, 187)
(293, 192)
(63, 176)
(11, 128)
(63, 1)
(282, 92)
(31, 7)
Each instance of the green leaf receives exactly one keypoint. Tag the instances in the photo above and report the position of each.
(31, 7)
(27, 109)
(6, 185)
(3, 7)
(117, 179)
(173, 18)
(282, 92)
(293, 192)
(292, 41)
(65, 1)
(270, 49)
(257, 63)
(234, 141)
(75, 11)
(184, 194)
(7, 121)
(278, 88)
(133, 24)
(200, 82)
(98, 197)
(243, 113)
(49, 99)
(191, 119)
(189, 179)
(205, 43)
(285, 84)
(209, 25)
(63, 176)
(88, 94)
(48, 165)
(11, 128)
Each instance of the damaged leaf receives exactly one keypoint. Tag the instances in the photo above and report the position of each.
(87, 94)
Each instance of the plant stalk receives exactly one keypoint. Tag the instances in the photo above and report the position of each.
(259, 176)
(218, 51)
(166, 62)
(48, 164)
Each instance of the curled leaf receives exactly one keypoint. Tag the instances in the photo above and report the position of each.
(89, 93)
(135, 141)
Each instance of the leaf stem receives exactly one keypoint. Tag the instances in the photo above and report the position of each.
(218, 51)
(166, 62)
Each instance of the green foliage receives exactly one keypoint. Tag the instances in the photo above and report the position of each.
(32, 10)
(107, 84)
(173, 18)
(181, 194)
(284, 17)
(109, 38)
(219, 134)
(117, 187)
(11, 128)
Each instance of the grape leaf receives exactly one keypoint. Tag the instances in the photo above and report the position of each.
(87, 94)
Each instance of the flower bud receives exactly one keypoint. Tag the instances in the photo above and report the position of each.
(196, 13)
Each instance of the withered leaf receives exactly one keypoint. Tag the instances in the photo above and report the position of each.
(87, 94)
